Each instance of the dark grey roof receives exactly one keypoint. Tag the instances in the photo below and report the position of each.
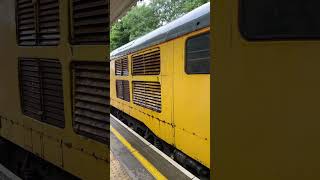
(192, 21)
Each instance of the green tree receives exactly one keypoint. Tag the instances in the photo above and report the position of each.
(138, 21)
(169, 10)
(146, 18)
(119, 35)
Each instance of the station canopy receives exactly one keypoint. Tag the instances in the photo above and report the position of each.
(118, 8)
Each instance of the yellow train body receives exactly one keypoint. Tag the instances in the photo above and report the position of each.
(266, 90)
(79, 155)
(184, 120)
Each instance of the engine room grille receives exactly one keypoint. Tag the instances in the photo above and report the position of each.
(52, 93)
(91, 110)
(41, 90)
(90, 21)
(37, 22)
(30, 87)
(121, 67)
(147, 63)
(123, 90)
(147, 94)
(26, 22)
(49, 22)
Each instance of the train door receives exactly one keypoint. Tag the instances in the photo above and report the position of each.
(192, 95)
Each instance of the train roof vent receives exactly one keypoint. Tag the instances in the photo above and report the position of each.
(26, 22)
(147, 94)
(121, 66)
(90, 22)
(53, 106)
(91, 110)
(41, 90)
(147, 63)
(49, 22)
(123, 90)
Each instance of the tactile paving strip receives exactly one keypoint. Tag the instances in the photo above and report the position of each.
(117, 171)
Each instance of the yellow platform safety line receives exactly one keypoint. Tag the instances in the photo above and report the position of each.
(145, 163)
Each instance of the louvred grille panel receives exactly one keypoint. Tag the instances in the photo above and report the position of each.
(125, 66)
(121, 67)
(118, 67)
(119, 89)
(91, 100)
(147, 63)
(26, 22)
(90, 21)
(41, 90)
(147, 94)
(30, 88)
(37, 22)
(123, 90)
(49, 22)
(53, 105)
(126, 91)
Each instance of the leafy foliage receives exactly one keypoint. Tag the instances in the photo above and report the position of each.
(138, 21)
(145, 18)
(169, 10)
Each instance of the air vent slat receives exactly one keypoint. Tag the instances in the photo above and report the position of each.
(147, 63)
(92, 90)
(92, 132)
(90, 98)
(90, 22)
(147, 94)
(91, 114)
(92, 75)
(91, 107)
(54, 99)
(91, 122)
(87, 82)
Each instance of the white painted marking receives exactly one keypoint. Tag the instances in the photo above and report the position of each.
(175, 164)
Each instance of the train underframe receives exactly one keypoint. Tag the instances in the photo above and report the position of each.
(184, 160)
(28, 166)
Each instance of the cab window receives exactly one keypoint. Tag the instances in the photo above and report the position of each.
(198, 54)
(280, 19)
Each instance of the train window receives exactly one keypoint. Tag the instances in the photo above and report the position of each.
(37, 22)
(91, 99)
(41, 90)
(198, 54)
(274, 19)
(90, 22)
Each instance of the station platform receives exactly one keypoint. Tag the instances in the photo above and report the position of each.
(132, 157)
(6, 174)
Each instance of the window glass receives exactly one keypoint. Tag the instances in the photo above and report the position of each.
(198, 54)
(280, 19)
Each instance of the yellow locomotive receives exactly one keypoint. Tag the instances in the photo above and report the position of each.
(265, 101)
(160, 86)
(54, 88)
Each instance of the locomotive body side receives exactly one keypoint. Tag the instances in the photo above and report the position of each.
(61, 146)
